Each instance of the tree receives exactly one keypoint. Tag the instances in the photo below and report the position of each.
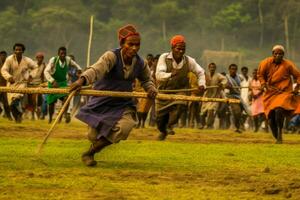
(167, 13)
(9, 21)
(230, 19)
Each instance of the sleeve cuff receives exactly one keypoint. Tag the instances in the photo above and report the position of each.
(87, 82)
(51, 80)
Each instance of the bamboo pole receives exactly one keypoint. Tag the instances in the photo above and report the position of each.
(90, 92)
(61, 112)
(195, 89)
(90, 42)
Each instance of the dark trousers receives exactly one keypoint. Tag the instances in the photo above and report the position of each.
(169, 119)
(208, 118)
(3, 99)
(194, 114)
(16, 110)
(276, 121)
(142, 117)
(236, 110)
(224, 116)
(258, 119)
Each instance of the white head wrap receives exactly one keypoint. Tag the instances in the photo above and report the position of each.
(278, 47)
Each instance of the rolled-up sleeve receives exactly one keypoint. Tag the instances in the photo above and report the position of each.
(100, 68)
(49, 70)
(198, 71)
(161, 69)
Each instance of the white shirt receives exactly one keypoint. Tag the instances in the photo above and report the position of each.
(37, 73)
(50, 68)
(19, 71)
(245, 91)
(162, 75)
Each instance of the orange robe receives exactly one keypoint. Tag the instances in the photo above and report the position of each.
(278, 78)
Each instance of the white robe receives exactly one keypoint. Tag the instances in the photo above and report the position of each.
(19, 72)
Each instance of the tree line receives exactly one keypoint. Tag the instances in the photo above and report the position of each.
(251, 27)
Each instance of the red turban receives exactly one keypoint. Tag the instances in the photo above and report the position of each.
(126, 31)
(177, 39)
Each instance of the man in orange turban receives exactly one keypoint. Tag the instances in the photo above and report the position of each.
(172, 74)
(177, 39)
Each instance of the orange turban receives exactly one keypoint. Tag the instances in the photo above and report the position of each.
(177, 39)
(126, 31)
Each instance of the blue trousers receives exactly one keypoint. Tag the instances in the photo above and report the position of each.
(295, 121)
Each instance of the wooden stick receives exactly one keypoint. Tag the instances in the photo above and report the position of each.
(90, 42)
(195, 89)
(88, 92)
(61, 112)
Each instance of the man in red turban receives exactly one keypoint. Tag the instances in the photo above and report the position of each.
(111, 119)
(127, 31)
(172, 74)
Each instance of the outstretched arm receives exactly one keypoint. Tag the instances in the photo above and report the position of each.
(96, 71)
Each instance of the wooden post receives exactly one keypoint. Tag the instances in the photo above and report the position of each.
(90, 42)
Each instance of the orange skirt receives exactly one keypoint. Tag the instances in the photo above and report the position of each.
(285, 100)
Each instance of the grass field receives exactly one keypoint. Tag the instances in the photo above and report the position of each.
(193, 164)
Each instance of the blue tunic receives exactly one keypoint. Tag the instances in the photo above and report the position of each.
(102, 113)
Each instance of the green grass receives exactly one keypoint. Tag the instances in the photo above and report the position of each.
(193, 164)
(147, 170)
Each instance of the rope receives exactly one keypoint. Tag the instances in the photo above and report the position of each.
(196, 89)
(91, 92)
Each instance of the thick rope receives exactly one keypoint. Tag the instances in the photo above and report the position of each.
(90, 92)
(196, 89)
